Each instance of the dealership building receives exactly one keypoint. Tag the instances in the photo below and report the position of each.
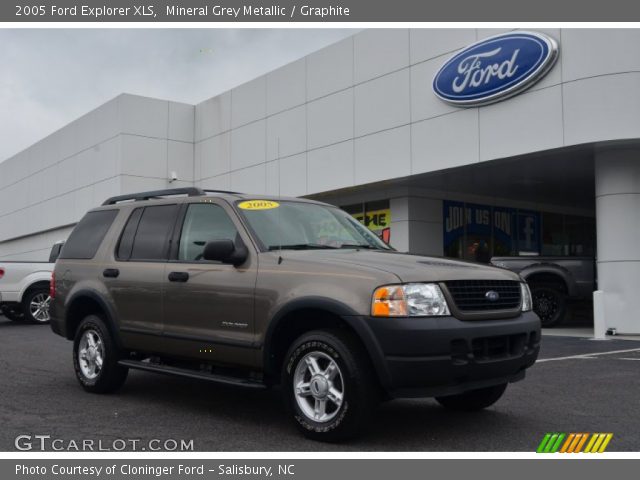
(546, 166)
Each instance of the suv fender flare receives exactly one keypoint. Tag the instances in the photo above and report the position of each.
(109, 314)
(356, 321)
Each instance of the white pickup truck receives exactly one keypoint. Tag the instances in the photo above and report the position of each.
(24, 288)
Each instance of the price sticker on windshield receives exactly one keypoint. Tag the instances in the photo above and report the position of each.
(258, 205)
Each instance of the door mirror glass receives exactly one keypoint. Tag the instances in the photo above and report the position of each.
(225, 251)
(218, 250)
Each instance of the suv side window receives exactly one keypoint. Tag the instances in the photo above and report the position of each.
(84, 241)
(146, 233)
(203, 223)
(126, 239)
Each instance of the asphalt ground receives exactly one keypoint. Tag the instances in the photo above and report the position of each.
(39, 395)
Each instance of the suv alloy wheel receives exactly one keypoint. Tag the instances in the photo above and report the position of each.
(95, 357)
(328, 385)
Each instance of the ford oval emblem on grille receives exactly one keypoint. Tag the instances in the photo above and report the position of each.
(492, 295)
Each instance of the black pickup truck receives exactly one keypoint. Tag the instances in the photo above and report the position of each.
(554, 282)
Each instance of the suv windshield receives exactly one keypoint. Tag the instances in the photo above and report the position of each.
(298, 225)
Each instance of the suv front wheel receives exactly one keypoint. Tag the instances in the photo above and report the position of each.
(328, 385)
(95, 357)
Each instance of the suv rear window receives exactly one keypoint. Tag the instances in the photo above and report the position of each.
(84, 241)
(146, 233)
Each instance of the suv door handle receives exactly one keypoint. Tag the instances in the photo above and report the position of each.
(111, 273)
(178, 276)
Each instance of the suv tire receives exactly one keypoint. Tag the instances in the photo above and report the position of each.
(328, 384)
(35, 306)
(95, 357)
(550, 304)
(473, 400)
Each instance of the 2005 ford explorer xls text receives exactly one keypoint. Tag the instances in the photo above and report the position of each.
(258, 292)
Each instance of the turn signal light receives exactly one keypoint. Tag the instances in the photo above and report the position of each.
(1, 272)
(389, 302)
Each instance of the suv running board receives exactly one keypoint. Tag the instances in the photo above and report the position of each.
(183, 372)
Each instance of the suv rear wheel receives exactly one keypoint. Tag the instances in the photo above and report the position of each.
(95, 357)
(328, 385)
(473, 400)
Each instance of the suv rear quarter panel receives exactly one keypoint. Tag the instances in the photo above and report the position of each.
(75, 278)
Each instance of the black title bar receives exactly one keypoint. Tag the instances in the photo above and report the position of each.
(319, 11)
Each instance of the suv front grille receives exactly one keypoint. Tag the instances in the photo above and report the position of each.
(474, 296)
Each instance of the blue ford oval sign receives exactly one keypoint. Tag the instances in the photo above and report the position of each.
(495, 68)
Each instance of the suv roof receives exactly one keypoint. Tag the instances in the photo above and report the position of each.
(196, 192)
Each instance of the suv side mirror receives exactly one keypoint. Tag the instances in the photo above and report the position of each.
(225, 251)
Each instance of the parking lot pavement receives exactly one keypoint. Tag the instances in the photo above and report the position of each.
(39, 395)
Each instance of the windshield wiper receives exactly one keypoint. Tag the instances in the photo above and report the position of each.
(302, 246)
(358, 245)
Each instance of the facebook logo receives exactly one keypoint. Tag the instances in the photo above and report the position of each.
(529, 232)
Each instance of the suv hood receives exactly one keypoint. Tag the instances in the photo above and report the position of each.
(407, 267)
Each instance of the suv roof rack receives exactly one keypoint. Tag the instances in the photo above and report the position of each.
(189, 191)
(206, 190)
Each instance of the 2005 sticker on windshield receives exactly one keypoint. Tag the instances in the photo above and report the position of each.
(258, 205)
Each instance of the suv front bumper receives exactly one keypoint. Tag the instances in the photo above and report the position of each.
(436, 356)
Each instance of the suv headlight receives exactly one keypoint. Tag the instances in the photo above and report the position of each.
(410, 300)
(525, 293)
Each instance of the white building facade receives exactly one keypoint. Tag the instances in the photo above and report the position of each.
(358, 124)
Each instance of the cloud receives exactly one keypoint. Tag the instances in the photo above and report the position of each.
(52, 76)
